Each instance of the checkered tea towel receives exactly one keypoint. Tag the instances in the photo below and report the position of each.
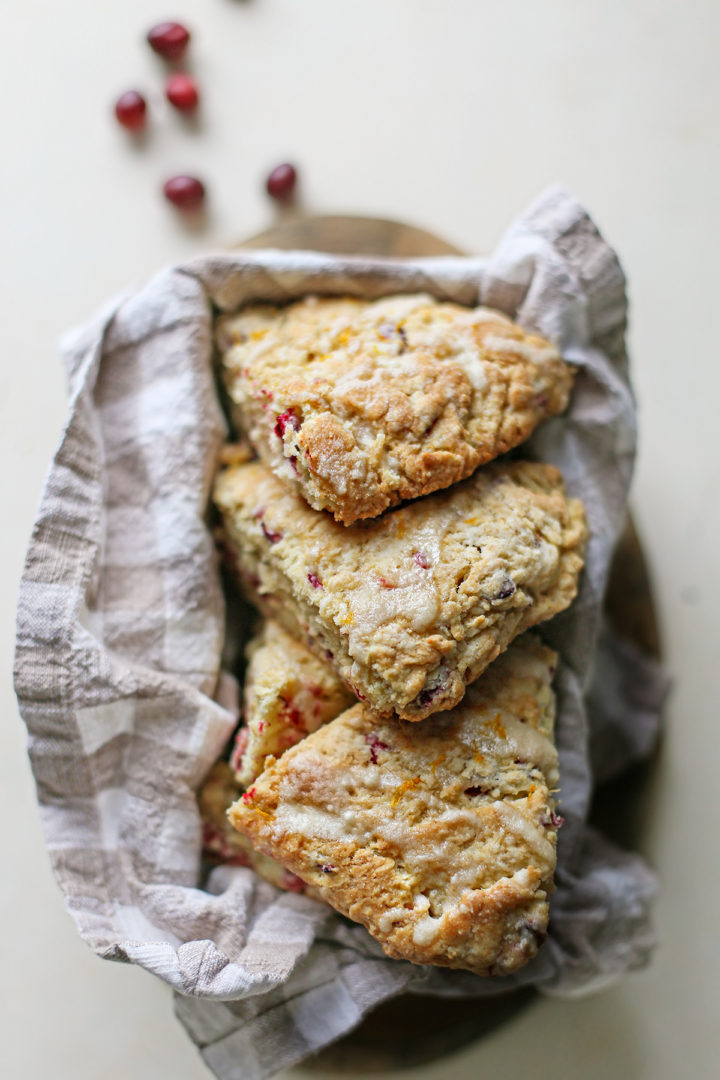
(121, 624)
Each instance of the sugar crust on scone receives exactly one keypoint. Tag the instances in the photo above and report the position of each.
(358, 405)
(412, 606)
(289, 692)
(440, 837)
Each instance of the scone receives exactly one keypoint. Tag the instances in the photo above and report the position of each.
(288, 693)
(438, 837)
(223, 844)
(358, 405)
(412, 606)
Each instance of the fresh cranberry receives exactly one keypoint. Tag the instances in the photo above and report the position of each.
(182, 92)
(286, 420)
(281, 182)
(315, 581)
(169, 40)
(295, 717)
(185, 192)
(421, 561)
(375, 744)
(426, 696)
(273, 537)
(131, 110)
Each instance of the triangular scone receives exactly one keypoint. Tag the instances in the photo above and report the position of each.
(438, 837)
(412, 606)
(289, 692)
(357, 404)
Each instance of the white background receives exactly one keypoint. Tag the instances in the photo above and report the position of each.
(452, 115)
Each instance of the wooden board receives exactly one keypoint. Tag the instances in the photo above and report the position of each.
(412, 1029)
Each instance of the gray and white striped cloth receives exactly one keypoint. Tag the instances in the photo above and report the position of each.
(121, 626)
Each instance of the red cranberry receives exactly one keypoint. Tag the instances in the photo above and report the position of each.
(169, 40)
(375, 744)
(182, 92)
(285, 420)
(185, 192)
(131, 110)
(272, 537)
(281, 182)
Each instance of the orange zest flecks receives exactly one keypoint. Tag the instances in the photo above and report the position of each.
(497, 727)
(480, 758)
(248, 798)
(407, 785)
(471, 521)
(531, 791)
(258, 335)
(348, 620)
(438, 761)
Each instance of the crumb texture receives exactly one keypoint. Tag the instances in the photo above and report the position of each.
(413, 606)
(288, 694)
(438, 837)
(359, 405)
(224, 844)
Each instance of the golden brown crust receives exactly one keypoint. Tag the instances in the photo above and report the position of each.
(359, 405)
(438, 837)
(416, 604)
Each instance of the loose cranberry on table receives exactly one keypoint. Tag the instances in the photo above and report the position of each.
(182, 92)
(169, 40)
(131, 110)
(281, 182)
(185, 192)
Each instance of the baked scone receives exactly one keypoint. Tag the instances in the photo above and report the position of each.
(412, 606)
(358, 405)
(438, 837)
(288, 693)
(224, 844)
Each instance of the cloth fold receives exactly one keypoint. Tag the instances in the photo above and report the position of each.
(120, 634)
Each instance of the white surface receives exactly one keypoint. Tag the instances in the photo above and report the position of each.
(452, 116)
